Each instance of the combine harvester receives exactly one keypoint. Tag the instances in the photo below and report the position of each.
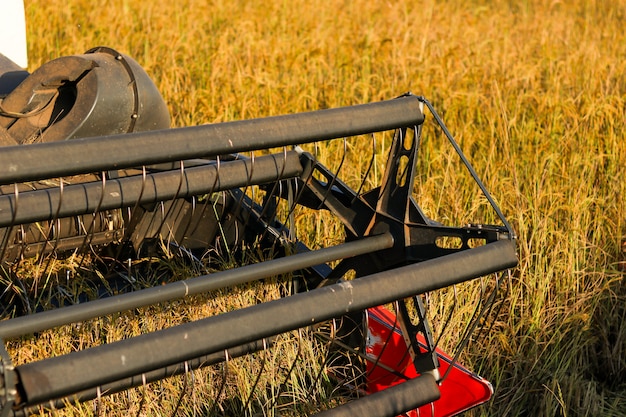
(90, 170)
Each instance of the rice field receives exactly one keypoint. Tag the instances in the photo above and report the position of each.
(534, 91)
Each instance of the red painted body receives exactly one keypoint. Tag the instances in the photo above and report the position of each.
(460, 391)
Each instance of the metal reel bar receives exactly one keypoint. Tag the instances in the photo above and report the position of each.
(105, 153)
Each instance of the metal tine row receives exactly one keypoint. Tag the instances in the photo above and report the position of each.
(199, 207)
(482, 311)
(88, 225)
(439, 269)
(274, 213)
(85, 228)
(347, 374)
(274, 394)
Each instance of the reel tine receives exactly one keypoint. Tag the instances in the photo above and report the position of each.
(271, 200)
(284, 384)
(449, 316)
(48, 236)
(133, 216)
(481, 310)
(151, 225)
(290, 203)
(143, 394)
(376, 363)
(370, 166)
(171, 206)
(330, 341)
(295, 193)
(225, 371)
(135, 219)
(247, 403)
(55, 221)
(183, 391)
(193, 392)
(97, 402)
(206, 203)
(9, 266)
(89, 231)
(490, 305)
(248, 188)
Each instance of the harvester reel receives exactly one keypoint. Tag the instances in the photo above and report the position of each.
(95, 173)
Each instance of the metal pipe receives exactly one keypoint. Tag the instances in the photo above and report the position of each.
(78, 156)
(391, 402)
(148, 377)
(63, 375)
(80, 312)
(85, 198)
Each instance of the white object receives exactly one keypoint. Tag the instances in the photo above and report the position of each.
(13, 32)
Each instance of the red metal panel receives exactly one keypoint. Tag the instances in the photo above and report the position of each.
(460, 391)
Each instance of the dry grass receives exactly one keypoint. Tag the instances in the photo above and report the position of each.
(534, 90)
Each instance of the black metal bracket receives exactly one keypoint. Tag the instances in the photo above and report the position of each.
(391, 208)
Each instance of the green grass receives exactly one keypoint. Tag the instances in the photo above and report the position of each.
(535, 92)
